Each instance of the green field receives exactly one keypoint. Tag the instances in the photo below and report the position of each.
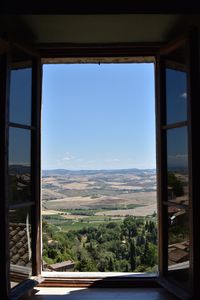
(93, 211)
(76, 224)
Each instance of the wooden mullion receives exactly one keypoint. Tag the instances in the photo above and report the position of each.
(173, 45)
(175, 66)
(161, 165)
(58, 50)
(4, 218)
(175, 125)
(22, 126)
(171, 203)
(194, 159)
(36, 166)
(20, 205)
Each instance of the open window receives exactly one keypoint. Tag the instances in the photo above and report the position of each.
(21, 169)
(177, 195)
(177, 154)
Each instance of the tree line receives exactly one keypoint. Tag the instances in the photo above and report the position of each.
(129, 246)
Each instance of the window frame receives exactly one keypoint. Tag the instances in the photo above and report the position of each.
(54, 53)
(34, 203)
(111, 53)
(190, 40)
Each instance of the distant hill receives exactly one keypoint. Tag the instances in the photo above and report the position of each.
(19, 169)
(64, 172)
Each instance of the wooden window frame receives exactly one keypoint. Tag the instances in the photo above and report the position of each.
(74, 53)
(34, 203)
(193, 78)
(104, 53)
(65, 53)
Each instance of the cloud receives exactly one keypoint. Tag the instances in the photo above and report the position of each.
(68, 156)
(183, 95)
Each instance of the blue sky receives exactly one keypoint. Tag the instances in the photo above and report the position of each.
(98, 116)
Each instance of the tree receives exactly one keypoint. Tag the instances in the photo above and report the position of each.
(145, 255)
(176, 184)
(111, 266)
(129, 227)
(149, 256)
(132, 254)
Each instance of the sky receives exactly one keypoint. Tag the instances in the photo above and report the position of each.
(177, 148)
(98, 116)
(176, 86)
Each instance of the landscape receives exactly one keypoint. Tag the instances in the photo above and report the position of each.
(104, 220)
(104, 215)
(79, 195)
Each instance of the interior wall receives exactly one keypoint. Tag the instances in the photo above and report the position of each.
(123, 28)
(89, 28)
(183, 24)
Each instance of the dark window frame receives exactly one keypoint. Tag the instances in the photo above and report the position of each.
(111, 53)
(190, 40)
(34, 203)
(138, 52)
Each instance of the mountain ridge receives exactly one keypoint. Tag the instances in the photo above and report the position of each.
(63, 172)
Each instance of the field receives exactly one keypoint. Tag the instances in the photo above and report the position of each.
(77, 199)
(100, 221)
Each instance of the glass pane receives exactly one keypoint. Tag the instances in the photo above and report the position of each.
(176, 95)
(178, 244)
(20, 96)
(19, 165)
(20, 245)
(177, 165)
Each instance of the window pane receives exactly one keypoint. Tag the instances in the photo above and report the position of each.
(20, 245)
(178, 244)
(177, 165)
(176, 95)
(19, 165)
(20, 96)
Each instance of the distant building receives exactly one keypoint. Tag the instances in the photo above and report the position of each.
(171, 195)
(178, 253)
(65, 266)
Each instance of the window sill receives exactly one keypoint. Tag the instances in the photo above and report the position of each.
(98, 279)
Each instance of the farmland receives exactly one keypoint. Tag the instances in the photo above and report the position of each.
(100, 220)
(81, 198)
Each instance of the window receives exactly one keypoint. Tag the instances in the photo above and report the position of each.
(178, 163)
(177, 197)
(99, 205)
(21, 214)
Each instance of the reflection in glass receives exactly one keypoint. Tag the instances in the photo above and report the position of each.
(176, 96)
(177, 165)
(20, 96)
(19, 165)
(20, 245)
(178, 244)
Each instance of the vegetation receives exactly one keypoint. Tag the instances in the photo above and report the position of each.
(126, 246)
(176, 184)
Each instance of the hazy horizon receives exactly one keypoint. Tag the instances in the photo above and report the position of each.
(113, 169)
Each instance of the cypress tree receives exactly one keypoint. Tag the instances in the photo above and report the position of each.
(132, 254)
